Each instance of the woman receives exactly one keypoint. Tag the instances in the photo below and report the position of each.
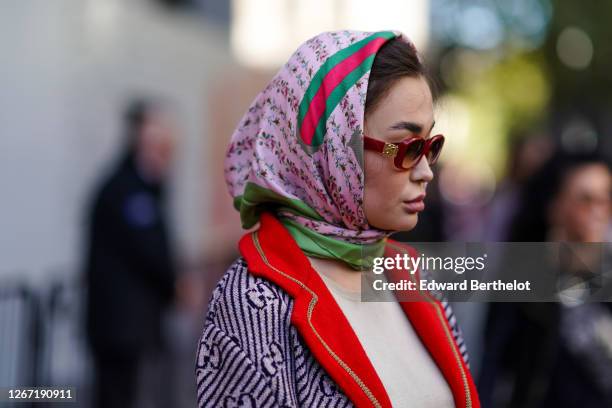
(557, 354)
(322, 161)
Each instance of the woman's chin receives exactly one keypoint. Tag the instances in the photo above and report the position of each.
(408, 221)
(403, 222)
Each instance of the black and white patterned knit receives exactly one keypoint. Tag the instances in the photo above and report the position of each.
(249, 354)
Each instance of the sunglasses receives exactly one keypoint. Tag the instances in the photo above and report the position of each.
(408, 153)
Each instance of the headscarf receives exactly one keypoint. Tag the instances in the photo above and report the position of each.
(298, 150)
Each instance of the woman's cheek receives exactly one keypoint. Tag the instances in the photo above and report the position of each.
(373, 166)
(374, 194)
(382, 182)
(396, 183)
(373, 173)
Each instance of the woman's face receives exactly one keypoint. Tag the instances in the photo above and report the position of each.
(393, 198)
(581, 212)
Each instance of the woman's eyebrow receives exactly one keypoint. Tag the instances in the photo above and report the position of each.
(410, 126)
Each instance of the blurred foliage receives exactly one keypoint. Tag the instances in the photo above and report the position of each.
(590, 86)
(499, 59)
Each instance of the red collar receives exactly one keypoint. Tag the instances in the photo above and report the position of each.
(273, 254)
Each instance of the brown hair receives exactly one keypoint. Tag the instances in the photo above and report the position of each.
(395, 59)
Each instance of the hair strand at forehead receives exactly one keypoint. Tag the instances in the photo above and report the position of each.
(396, 59)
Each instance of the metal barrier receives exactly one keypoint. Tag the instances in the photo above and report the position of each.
(20, 335)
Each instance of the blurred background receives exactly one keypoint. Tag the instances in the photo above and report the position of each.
(126, 107)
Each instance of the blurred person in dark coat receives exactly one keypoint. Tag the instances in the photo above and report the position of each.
(130, 272)
(556, 354)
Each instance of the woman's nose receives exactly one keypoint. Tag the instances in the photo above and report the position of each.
(421, 172)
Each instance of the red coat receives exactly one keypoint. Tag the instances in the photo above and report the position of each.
(272, 253)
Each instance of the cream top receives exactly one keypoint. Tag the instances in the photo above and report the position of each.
(405, 367)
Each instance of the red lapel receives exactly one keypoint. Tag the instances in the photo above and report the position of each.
(428, 320)
(327, 333)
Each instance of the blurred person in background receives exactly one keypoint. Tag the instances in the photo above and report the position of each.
(527, 155)
(331, 158)
(556, 354)
(130, 268)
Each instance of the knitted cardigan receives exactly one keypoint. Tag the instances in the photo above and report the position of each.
(275, 337)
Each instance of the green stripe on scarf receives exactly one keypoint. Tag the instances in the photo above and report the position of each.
(336, 96)
(257, 199)
(328, 65)
(357, 256)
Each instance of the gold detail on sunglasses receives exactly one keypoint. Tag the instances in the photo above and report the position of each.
(390, 150)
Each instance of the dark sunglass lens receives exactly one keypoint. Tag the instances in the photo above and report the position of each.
(434, 151)
(413, 152)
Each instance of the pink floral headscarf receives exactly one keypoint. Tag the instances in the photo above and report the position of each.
(298, 150)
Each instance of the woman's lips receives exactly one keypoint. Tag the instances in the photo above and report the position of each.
(415, 205)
